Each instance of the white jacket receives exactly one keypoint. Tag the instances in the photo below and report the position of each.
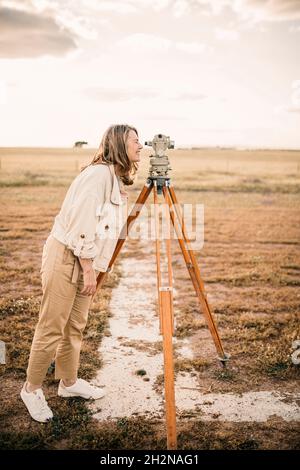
(92, 215)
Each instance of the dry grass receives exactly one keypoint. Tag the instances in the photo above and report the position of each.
(250, 265)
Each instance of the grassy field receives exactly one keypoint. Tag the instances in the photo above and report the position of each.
(250, 265)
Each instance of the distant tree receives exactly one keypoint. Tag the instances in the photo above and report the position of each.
(80, 143)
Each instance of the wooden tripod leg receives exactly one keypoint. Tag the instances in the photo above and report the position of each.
(179, 214)
(166, 317)
(166, 301)
(169, 257)
(125, 230)
(157, 246)
(193, 268)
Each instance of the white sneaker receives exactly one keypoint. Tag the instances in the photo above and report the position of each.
(81, 388)
(36, 405)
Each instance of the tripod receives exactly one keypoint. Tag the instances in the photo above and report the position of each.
(159, 182)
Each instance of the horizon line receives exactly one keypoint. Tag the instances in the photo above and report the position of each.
(180, 147)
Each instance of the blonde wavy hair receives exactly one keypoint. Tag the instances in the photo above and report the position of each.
(112, 150)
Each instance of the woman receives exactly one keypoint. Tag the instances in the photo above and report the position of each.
(79, 246)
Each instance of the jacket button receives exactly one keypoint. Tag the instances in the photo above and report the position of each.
(106, 227)
(82, 235)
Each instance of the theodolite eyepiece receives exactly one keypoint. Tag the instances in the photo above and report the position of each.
(160, 144)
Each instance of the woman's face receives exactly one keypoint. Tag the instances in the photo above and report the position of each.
(133, 147)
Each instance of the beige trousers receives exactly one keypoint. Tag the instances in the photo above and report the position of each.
(63, 315)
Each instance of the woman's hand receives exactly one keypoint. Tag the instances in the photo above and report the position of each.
(89, 282)
(89, 277)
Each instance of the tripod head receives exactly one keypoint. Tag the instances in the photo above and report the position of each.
(159, 162)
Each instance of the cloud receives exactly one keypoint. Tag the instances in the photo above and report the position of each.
(78, 25)
(192, 47)
(119, 94)
(162, 117)
(255, 11)
(258, 10)
(77, 18)
(189, 95)
(29, 34)
(122, 7)
(127, 94)
(141, 42)
(180, 7)
(226, 34)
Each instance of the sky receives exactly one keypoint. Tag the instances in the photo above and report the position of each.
(204, 72)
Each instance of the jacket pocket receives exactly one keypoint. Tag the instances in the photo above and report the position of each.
(107, 233)
(110, 221)
(68, 257)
